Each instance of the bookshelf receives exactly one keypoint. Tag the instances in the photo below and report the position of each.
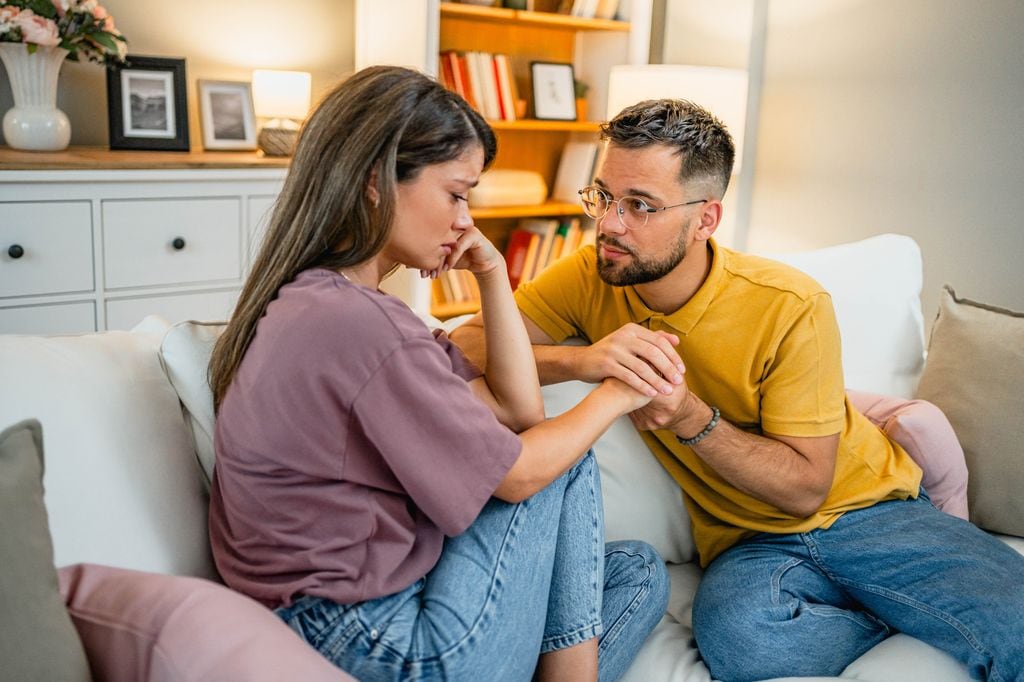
(429, 28)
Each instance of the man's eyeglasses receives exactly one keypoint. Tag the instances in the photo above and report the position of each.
(632, 212)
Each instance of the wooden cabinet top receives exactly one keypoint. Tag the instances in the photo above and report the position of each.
(101, 158)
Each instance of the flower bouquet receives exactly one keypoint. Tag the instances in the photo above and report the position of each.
(82, 27)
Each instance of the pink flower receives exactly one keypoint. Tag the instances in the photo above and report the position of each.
(37, 29)
(7, 14)
(61, 6)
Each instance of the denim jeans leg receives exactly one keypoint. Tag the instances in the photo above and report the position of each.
(485, 608)
(935, 577)
(765, 609)
(636, 590)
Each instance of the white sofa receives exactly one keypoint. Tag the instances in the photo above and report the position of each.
(127, 424)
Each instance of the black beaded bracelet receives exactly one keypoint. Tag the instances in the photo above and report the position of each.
(715, 414)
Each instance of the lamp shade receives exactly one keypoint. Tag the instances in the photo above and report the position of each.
(281, 94)
(721, 91)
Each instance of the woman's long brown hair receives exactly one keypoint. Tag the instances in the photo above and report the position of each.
(391, 119)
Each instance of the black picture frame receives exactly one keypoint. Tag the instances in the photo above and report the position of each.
(554, 91)
(147, 105)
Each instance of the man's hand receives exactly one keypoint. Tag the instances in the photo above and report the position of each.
(643, 359)
(664, 411)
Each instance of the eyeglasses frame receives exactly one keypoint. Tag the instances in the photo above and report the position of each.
(619, 210)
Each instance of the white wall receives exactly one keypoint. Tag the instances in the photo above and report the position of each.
(880, 116)
(220, 40)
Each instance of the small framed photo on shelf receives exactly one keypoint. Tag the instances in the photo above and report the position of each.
(227, 115)
(554, 93)
(146, 104)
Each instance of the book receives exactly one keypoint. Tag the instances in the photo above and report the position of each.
(530, 262)
(515, 254)
(504, 72)
(575, 170)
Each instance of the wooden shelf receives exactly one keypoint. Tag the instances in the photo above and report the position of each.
(536, 125)
(444, 311)
(525, 18)
(548, 208)
(101, 158)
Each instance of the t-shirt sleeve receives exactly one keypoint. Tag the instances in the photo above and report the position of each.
(802, 393)
(557, 298)
(445, 447)
(461, 365)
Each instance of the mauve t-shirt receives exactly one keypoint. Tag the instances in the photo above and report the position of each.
(348, 445)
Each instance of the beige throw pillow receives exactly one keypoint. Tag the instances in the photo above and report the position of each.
(974, 373)
(37, 639)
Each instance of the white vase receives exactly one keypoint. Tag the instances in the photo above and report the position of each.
(34, 122)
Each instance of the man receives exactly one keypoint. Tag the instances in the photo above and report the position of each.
(816, 539)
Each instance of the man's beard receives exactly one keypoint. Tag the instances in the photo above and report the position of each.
(639, 270)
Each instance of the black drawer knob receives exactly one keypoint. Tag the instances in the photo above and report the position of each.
(178, 243)
(15, 251)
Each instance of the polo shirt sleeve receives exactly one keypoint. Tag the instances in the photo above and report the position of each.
(445, 447)
(557, 299)
(802, 394)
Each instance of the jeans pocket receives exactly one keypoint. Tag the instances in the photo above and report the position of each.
(325, 625)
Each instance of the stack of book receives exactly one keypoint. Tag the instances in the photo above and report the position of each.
(482, 79)
(455, 286)
(538, 242)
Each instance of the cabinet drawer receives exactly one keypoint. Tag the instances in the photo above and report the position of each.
(150, 242)
(213, 306)
(55, 318)
(55, 245)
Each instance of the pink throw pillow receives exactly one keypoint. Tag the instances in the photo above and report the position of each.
(923, 431)
(148, 627)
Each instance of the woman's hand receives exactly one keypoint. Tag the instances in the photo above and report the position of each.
(625, 396)
(473, 252)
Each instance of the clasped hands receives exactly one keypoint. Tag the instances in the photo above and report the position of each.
(646, 361)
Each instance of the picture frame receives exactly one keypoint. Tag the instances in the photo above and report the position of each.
(226, 115)
(147, 107)
(554, 94)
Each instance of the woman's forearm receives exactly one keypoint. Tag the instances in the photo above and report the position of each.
(510, 369)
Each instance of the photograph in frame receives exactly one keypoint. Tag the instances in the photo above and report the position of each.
(554, 94)
(227, 115)
(146, 104)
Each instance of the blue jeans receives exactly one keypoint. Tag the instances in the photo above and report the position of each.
(524, 579)
(810, 603)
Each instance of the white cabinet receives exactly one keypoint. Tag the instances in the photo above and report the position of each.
(46, 248)
(100, 246)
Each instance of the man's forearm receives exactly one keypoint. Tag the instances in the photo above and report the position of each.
(762, 467)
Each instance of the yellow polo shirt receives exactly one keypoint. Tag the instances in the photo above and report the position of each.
(760, 342)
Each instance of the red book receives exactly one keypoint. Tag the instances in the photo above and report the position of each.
(515, 254)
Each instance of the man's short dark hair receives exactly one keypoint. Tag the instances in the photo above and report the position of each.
(701, 140)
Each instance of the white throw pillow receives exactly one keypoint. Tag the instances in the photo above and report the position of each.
(122, 485)
(185, 354)
(876, 290)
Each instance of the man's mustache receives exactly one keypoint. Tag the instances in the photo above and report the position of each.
(614, 243)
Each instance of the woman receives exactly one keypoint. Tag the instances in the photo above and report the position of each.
(407, 516)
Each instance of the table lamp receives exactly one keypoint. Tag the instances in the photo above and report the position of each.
(721, 91)
(283, 97)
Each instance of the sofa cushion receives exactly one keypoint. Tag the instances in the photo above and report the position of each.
(37, 640)
(147, 626)
(974, 374)
(924, 432)
(876, 291)
(122, 484)
(641, 500)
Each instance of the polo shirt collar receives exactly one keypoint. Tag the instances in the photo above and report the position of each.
(686, 318)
